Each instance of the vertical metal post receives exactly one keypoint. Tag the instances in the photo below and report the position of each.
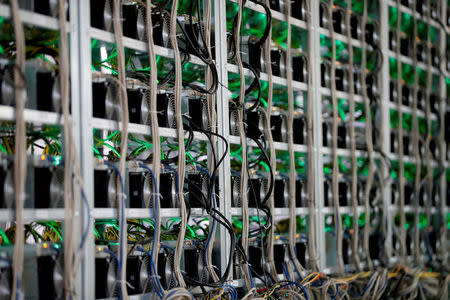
(315, 58)
(86, 157)
(385, 120)
(222, 125)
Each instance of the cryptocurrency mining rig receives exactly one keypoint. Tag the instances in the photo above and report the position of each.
(224, 149)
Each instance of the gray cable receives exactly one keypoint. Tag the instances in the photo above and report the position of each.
(123, 145)
(354, 191)
(401, 168)
(20, 156)
(335, 172)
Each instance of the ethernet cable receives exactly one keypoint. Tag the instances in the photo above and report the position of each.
(70, 202)
(354, 176)
(313, 259)
(369, 142)
(181, 146)
(443, 147)
(290, 136)
(415, 141)
(428, 155)
(243, 138)
(118, 34)
(155, 132)
(211, 100)
(268, 134)
(20, 157)
(401, 168)
(335, 172)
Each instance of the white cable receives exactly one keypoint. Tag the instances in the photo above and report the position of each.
(369, 142)
(401, 168)
(154, 125)
(69, 199)
(268, 134)
(335, 172)
(243, 137)
(20, 156)
(313, 259)
(123, 145)
(290, 136)
(428, 155)
(354, 176)
(212, 120)
(181, 149)
(443, 147)
(415, 141)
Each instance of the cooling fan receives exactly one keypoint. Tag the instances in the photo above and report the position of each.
(106, 285)
(138, 268)
(105, 99)
(140, 190)
(165, 269)
(7, 187)
(194, 265)
(105, 188)
(50, 277)
(168, 190)
(5, 283)
(102, 14)
(48, 187)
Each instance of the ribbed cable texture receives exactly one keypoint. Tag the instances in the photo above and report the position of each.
(442, 150)
(290, 136)
(243, 137)
(118, 34)
(155, 129)
(428, 155)
(212, 120)
(69, 199)
(181, 149)
(369, 142)
(354, 176)
(273, 155)
(20, 157)
(401, 167)
(313, 259)
(335, 173)
(416, 147)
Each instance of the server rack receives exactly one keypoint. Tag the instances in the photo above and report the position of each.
(81, 36)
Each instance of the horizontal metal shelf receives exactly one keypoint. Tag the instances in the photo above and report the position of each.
(32, 214)
(32, 18)
(408, 60)
(277, 145)
(8, 113)
(275, 14)
(341, 37)
(343, 209)
(416, 15)
(142, 129)
(148, 296)
(138, 213)
(349, 209)
(413, 209)
(411, 159)
(278, 212)
(264, 77)
(134, 44)
(339, 94)
(345, 152)
(409, 110)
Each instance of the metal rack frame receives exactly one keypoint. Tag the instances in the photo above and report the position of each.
(83, 123)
